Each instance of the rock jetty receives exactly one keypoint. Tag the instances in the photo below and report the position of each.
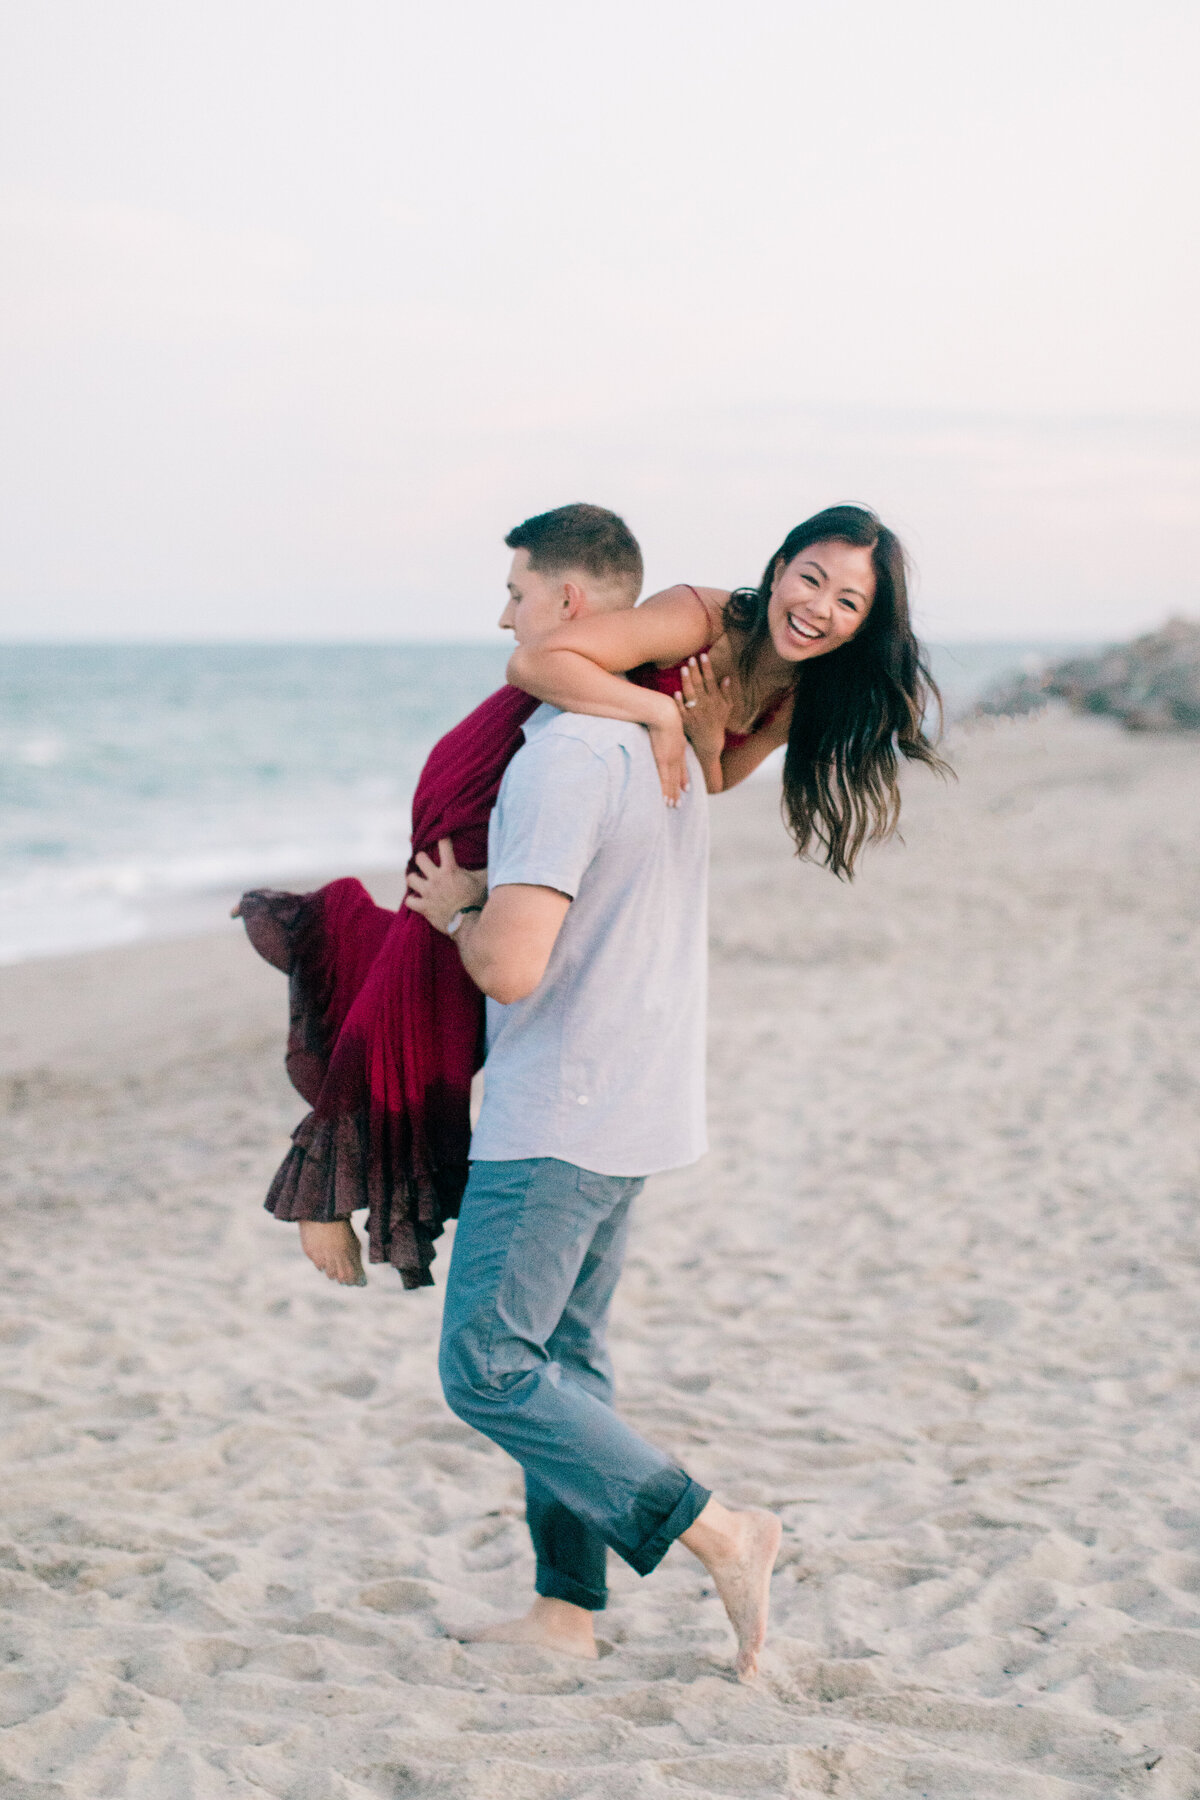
(1151, 684)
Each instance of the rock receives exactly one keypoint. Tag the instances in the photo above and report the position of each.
(1151, 684)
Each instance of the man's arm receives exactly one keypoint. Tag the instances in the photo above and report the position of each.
(506, 946)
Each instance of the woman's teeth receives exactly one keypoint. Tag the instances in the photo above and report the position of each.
(801, 628)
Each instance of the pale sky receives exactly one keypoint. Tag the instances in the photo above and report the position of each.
(305, 304)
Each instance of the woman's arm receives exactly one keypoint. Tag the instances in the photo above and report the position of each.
(742, 759)
(705, 704)
(578, 666)
(581, 667)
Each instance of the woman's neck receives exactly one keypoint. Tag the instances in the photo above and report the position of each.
(767, 677)
(769, 673)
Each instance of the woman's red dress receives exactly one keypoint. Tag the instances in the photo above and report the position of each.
(386, 1026)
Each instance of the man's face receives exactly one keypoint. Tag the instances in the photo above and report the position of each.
(537, 602)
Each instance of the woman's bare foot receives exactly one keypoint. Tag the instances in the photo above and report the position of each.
(334, 1248)
(551, 1624)
(739, 1549)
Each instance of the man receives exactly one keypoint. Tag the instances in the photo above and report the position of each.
(589, 941)
(601, 568)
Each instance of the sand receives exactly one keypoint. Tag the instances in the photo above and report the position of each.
(933, 1297)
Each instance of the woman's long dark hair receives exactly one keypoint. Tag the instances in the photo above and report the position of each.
(857, 709)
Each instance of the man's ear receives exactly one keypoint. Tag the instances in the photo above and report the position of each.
(574, 600)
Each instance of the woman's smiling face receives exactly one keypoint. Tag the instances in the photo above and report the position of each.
(820, 599)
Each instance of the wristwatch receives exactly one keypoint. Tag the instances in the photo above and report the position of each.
(454, 923)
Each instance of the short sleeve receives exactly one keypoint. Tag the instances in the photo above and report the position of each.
(550, 816)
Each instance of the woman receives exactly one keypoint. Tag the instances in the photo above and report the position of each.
(386, 1028)
(820, 658)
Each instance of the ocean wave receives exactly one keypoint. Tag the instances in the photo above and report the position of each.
(141, 786)
(47, 910)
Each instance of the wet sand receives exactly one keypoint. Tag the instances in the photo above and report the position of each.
(934, 1296)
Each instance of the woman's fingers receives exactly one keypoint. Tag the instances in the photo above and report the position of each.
(670, 756)
(706, 674)
(695, 675)
(698, 682)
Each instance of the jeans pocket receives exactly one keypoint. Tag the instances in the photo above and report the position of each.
(606, 1191)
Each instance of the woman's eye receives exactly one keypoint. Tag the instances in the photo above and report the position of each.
(850, 605)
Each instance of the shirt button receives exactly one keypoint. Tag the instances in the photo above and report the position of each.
(582, 1099)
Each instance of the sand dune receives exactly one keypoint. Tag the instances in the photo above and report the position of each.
(934, 1296)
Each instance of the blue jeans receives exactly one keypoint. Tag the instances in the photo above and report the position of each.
(537, 1255)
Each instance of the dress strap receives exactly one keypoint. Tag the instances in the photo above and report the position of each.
(712, 637)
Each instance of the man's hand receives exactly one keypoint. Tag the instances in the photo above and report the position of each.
(437, 890)
(504, 947)
(334, 1248)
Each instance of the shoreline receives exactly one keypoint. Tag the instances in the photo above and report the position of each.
(139, 802)
(203, 912)
(121, 1005)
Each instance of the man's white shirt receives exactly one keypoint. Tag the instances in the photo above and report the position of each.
(603, 1064)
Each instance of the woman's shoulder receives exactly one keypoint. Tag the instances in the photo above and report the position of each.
(687, 593)
(699, 610)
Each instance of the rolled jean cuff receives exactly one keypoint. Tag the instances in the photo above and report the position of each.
(691, 1504)
(552, 1584)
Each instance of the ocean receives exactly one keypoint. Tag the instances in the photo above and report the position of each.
(141, 786)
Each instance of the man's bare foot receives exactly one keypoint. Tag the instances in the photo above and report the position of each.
(334, 1248)
(551, 1624)
(739, 1549)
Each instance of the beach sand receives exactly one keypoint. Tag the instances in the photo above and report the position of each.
(934, 1296)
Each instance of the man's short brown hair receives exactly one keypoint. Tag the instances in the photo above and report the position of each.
(581, 537)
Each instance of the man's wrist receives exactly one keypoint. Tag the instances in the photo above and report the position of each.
(456, 920)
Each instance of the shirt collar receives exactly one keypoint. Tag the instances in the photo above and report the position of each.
(538, 721)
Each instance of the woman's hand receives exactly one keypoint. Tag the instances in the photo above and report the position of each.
(704, 708)
(333, 1246)
(669, 744)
